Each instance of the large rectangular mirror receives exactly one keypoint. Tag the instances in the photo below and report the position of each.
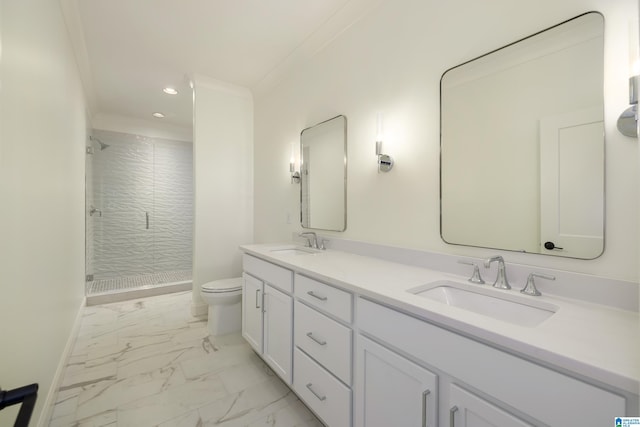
(323, 175)
(522, 144)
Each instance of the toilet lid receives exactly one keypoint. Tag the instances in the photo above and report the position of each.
(224, 285)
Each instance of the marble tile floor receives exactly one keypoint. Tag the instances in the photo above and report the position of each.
(147, 362)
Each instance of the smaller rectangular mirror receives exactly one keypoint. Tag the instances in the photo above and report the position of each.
(323, 175)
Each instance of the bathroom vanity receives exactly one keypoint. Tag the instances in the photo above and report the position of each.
(367, 342)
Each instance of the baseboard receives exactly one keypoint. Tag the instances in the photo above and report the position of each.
(52, 394)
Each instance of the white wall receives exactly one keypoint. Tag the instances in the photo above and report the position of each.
(42, 159)
(391, 61)
(222, 167)
(153, 129)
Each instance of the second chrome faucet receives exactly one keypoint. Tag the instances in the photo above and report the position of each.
(501, 279)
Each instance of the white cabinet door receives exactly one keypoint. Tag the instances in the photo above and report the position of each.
(468, 410)
(278, 331)
(391, 390)
(252, 311)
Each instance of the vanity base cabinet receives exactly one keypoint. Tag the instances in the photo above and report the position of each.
(514, 384)
(267, 313)
(392, 390)
(278, 328)
(252, 311)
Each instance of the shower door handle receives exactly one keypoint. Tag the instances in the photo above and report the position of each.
(146, 214)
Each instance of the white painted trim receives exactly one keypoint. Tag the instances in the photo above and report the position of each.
(220, 86)
(52, 394)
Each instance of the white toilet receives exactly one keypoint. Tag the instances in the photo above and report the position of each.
(224, 298)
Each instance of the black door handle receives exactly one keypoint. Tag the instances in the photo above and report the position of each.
(551, 246)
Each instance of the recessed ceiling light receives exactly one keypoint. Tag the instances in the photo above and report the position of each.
(158, 115)
(170, 91)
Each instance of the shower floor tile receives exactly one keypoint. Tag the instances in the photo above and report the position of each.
(102, 286)
(160, 367)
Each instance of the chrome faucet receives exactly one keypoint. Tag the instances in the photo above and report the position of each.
(530, 287)
(312, 239)
(475, 277)
(501, 280)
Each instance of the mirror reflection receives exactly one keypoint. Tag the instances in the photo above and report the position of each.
(323, 175)
(522, 144)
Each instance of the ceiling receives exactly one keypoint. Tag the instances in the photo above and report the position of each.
(129, 50)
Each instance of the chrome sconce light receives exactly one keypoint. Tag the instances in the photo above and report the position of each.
(385, 161)
(628, 120)
(295, 175)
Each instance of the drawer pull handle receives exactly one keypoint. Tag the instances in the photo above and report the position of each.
(424, 407)
(320, 398)
(321, 298)
(257, 293)
(319, 341)
(452, 416)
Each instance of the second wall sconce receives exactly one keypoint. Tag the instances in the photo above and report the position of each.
(628, 120)
(385, 161)
(295, 175)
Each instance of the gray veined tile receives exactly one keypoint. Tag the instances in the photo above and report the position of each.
(101, 339)
(171, 403)
(218, 360)
(179, 316)
(65, 407)
(137, 362)
(168, 372)
(190, 419)
(128, 349)
(104, 419)
(248, 405)
(109, 395)
(240, 377)
(65, 421)
(293, 415)
(188, 334)
(88, 376)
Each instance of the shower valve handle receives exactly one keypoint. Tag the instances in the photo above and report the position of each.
(93, 210)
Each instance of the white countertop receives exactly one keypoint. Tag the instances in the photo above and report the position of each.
(597, 342)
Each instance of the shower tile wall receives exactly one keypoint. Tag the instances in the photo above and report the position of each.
(143, 186)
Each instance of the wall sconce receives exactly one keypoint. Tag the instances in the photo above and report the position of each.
(628, 120)
(385, 162)
(295, 175)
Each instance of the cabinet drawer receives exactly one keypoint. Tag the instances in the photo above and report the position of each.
(324, 394)
(327, 298)
(325, 340)
(275, 275)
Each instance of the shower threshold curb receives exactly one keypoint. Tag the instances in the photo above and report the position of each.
(138, 292)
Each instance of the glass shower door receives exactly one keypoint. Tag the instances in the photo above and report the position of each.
(122, 173)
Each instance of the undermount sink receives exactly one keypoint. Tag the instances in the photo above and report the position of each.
(488, 302)
(293, 250)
